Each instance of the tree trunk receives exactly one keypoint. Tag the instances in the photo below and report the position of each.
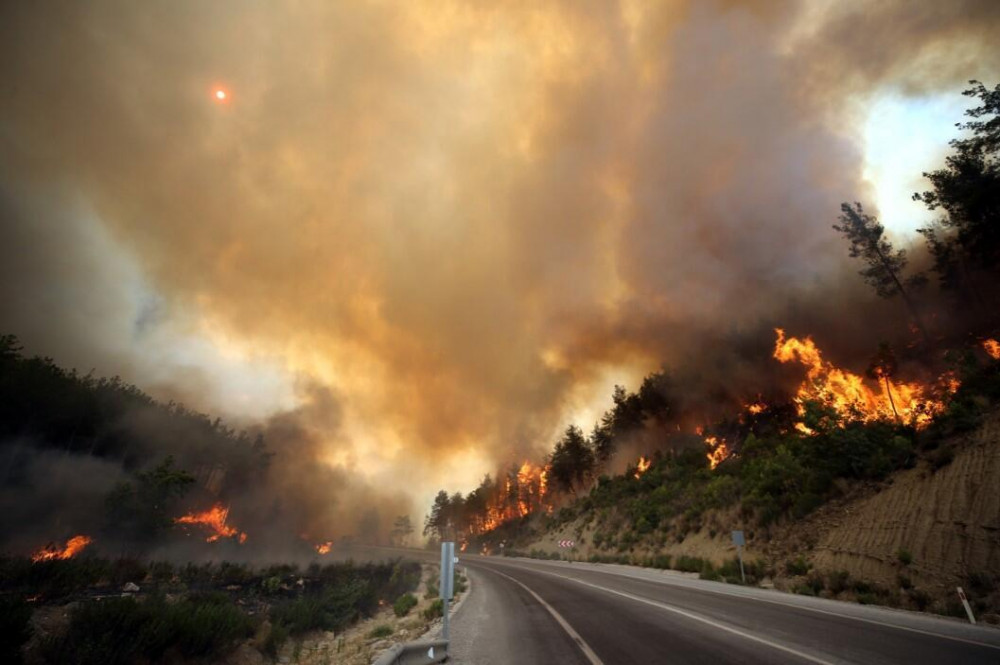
(888, 391)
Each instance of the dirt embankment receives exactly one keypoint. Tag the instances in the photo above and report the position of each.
(943, 526)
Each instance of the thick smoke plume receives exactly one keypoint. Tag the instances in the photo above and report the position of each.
(445, 229)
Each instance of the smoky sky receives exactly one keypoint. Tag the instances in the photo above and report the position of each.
(456, 216)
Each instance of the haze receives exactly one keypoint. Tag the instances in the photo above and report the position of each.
(436, 233)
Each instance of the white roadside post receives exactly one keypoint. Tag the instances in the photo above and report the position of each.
(965, 603)
(740, 542)
(446, 583)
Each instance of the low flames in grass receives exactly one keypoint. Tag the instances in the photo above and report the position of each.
(214, 520)
(852, 397)
(74, 546)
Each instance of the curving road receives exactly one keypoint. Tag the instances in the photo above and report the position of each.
(524, 611)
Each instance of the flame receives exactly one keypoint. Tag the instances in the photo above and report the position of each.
(756, 407)
(850, 396)
(73, 547)
(324, 548)
(215, 520)
(522, 493)
(992, 348)
(463, 546)
(641, 467)
(717, 450)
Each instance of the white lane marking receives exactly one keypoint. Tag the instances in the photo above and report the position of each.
(689, 615)
(587, 651)
(876, 622)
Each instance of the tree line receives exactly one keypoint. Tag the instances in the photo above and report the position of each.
(964, 247)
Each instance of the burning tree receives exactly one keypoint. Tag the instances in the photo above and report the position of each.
(884, 264)
(144, 510)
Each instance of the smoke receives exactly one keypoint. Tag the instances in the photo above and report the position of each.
(435, 230)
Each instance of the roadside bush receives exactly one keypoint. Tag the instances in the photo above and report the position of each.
(838, 582)
(333, 608)
(404, 604)
(434, 610)
(689, 564)
(15, 628)
(384, 630)
(276, 638)
(797, 566)
(123, 630)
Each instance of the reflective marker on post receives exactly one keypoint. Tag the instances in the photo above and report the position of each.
(965, 603)
(740, 542)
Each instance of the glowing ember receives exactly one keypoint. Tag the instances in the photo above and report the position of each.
(214, 519)
(717, 450)
(641, 467)
(850, 396)
(992, 348)
(324, 548)
(73, 547)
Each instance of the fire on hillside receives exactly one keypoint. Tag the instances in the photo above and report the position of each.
(214, 520)
(849, 395)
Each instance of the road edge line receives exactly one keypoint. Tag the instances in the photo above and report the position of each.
(575, 636)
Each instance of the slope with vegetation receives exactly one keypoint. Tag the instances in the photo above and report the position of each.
(860, 487)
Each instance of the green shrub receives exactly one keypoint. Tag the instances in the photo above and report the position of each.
(404, 604)
(15, 628)
(689, 564)
(384, 630)
(797, 566)
(124, 630)
(332, 608)
(838, 582)
(276, 638)
(815, 582)
(920, 598)
(905, 557)
(981, 582)
(434, 610)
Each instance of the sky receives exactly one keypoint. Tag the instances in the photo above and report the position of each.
(465, 221)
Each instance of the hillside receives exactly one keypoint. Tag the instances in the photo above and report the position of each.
(905, 541)
(947, 520)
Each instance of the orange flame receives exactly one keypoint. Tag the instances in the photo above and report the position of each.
(717, 450)
(849, 395)
(215, 520)
(73, 547)
(324, 548)
(641, 467)
(522, 493)
(756, 407)
(992, 348)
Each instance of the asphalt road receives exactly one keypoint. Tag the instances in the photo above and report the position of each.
(523, 611)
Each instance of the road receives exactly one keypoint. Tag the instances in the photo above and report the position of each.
(523, 611)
